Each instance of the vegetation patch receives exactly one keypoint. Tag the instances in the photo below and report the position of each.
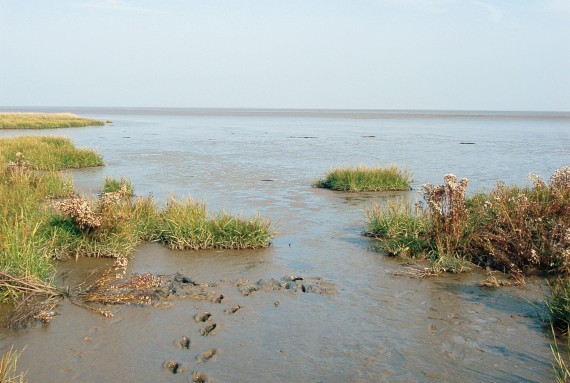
(113, 185)
(518, 230)
(366, 179)
(44, 121)
(558, 304)
(46, 153)
(41, 219)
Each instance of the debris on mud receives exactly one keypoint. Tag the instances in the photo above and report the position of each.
(36, 300)
(113, 288)
(293, 284)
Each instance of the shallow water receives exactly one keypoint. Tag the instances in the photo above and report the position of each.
(378, 327)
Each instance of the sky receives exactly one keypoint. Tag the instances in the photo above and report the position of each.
(316, 54)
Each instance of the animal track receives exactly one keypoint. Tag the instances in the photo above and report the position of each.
(207, 355)
(200, 377)
(184, 343)
(232, 309)
(173, 367)
(208, 330)
(202, 317)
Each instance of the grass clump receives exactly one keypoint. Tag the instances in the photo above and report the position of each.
(185, 224)
(47, 153)
(404, 230)
(558, 303)
(113, 185)
(514, 229)
(44, 121)
(363, 178)
(9, 368)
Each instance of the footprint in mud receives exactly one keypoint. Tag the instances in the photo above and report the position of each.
(173, 367)
(207, 355)
(205, 316)
(183, 343)
(232, 309)
(200, 377)
(208, 330)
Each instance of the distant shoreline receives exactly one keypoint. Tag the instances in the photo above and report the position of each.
(330, 113)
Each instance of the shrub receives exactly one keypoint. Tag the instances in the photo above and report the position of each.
(513, 229)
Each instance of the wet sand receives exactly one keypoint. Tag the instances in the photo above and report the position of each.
(374, 327)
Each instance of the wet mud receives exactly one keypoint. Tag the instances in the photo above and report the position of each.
(318, 305)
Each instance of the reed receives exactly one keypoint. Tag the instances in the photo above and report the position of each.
(362, 178)
(44, 121)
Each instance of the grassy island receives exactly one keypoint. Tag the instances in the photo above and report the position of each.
(362, 178)
(44, 121)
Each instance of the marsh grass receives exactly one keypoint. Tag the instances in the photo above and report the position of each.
(401, 230)
(24, 211)
(558, 303)
(44, 121)
(114, 185)
(41, 219)
(512, 229)
(47, 153)
(185, 224)
(9, 368)
(362, 178)
(561, 358)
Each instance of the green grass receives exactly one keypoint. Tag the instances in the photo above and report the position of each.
(558, 303)
(114, 185)
(400, 230)
(512, 229)
(366, 179)
(185, 224)
(44, 121)
(48, 153)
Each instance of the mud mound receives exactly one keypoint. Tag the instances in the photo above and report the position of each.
(292, 284)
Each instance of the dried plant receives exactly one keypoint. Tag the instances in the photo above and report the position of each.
(20, 165)
(518, 230)
(9, 368)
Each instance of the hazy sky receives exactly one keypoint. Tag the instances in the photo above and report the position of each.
(376, 54)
